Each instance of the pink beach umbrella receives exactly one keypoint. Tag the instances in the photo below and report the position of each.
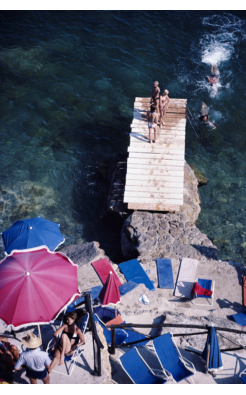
(110, 293)
(35, 286)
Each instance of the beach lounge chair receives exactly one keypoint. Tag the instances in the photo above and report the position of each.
(69, 361)
(133, 271)
(121, 335)
(199, 297)
(171, 360)
(138, 370)
(242, 376)
(186, 278)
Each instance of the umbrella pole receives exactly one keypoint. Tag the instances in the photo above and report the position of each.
(39, 332)
(207, 359)
(115, 311)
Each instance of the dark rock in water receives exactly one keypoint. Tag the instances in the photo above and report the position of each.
(83, 254)
(202, 180)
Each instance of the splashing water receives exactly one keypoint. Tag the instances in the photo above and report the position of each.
(218, 47)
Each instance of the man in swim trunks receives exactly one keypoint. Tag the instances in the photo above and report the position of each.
(155, 95)
(214, 77)
(204, 115)
(152, 118)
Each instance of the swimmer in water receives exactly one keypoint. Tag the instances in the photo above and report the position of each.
(214, 77)
(204, 115)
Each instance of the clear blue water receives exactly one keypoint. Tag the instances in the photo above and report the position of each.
(68, 82)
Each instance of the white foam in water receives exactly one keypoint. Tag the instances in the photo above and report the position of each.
(216, 53)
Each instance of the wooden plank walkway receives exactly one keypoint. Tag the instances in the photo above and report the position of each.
(155, 172)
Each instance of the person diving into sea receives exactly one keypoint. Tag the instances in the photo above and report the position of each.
(204, 115)
(214, 77)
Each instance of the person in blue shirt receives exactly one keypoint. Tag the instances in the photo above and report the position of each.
(34, 360)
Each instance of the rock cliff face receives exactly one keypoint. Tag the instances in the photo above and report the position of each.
(159, 235)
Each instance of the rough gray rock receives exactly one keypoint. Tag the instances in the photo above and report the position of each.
(82, 254)
(198, 341)
(164, 236)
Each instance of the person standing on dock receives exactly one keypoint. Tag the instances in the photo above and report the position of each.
(164, 103)
(155, 95)
(152, 118)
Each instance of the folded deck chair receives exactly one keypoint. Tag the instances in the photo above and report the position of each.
(186, 278)
(138, 370)
(133, 271)
(170, 358)
(200, 294)
(165, 273)
(69, 361)
(103, 267)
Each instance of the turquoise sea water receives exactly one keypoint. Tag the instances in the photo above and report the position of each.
(68, 82)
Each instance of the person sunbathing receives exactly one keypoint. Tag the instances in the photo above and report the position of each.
(71, 338)
(9, 354)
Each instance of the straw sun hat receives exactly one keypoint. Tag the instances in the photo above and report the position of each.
(31, 341)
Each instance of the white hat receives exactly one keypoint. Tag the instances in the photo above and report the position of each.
(31, 341)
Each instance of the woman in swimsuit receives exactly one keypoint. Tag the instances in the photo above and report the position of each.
(152, 118)
(164, 103)
(71, 338)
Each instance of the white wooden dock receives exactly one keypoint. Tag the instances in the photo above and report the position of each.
(155, 172)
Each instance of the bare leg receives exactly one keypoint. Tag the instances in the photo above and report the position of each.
(150, 135)
(14, 351)
(212, 69)
(33, 381)
(155, 130)
(47, 379)
(65, 347)
(55, 360)
(163, 115)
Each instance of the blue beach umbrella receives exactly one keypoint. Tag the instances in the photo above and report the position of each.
(212, 347)
(31, 233)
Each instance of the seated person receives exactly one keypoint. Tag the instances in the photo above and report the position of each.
(214, 77)
(204, 115)
(71, 338)
(9, 354)
(34, 360)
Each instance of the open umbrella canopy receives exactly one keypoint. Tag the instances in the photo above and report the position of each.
(212, 343)
(31, 233)
(35, 286)
(110, 293)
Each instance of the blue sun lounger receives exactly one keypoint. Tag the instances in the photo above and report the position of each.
(138, 370)
(121, 335)
(165, 273)
(170, 358)
(133, 271)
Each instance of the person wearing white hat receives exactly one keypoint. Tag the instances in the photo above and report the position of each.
(34, 360)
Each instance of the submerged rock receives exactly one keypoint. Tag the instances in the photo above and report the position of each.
(202, 180)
